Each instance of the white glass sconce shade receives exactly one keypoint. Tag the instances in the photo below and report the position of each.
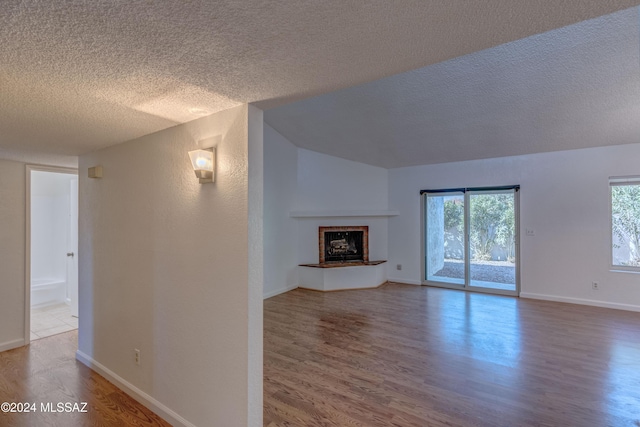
(203, 162)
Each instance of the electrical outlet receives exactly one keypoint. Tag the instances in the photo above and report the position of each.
(529, 232)
(136, 355)
(399, 267)
(595, 286)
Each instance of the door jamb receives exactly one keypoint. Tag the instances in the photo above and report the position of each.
(27, 255)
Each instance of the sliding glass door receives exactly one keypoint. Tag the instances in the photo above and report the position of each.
(471, 240)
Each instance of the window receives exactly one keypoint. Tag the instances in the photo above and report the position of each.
(625, 223)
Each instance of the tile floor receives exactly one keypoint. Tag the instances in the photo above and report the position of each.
(51, 320)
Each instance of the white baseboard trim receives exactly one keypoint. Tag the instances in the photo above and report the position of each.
(152, 404)
(595, 303)
(279, 291)
(10, 345)
(405, 281)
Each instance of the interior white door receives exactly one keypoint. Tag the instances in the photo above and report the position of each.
(72, 251)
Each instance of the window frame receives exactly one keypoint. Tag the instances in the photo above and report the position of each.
(618, 181)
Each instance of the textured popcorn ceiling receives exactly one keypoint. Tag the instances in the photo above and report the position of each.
(76, 76)
(573, 87)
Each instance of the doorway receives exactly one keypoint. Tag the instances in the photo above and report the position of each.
(52, 242)
(470, 239)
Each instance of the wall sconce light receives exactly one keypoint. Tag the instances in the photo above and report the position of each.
(203, 162)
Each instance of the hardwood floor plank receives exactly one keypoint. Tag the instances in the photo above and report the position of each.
(46, 372)
(404, 355)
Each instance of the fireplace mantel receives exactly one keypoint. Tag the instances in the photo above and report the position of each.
(343, 214)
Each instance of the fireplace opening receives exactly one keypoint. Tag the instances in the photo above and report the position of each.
(344, 244)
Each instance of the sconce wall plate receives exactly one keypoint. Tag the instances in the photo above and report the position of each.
(95, 172)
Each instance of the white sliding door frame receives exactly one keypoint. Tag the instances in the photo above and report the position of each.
(468, 192)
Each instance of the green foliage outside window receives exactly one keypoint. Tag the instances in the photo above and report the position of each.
(492, 224)
(625, 222)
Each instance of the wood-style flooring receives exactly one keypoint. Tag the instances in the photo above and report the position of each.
(46, 372)
(404, 355)
(398, 355)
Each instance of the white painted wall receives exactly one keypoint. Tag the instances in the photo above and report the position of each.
(301, 180)
(564, 198)
(12, 253)
(331, 183)
(281, 231)
(164, 268)
(255, 264)
(43, 242)
(50, 205)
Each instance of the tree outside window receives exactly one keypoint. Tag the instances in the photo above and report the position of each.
(625, 225)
